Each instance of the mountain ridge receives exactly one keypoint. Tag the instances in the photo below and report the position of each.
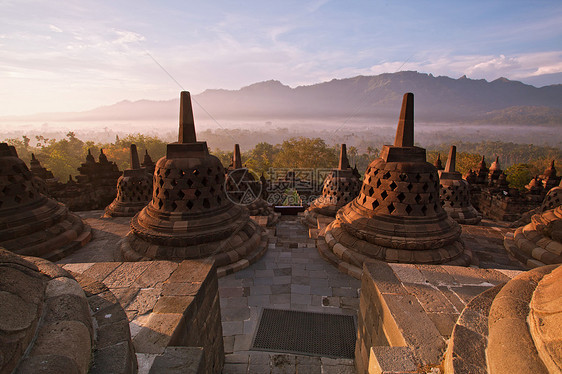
(437, 98)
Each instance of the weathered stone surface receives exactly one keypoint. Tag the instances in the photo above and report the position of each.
(70, 337)
(179, 360)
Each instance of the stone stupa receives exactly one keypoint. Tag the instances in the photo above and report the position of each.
(134, 190)
(148, 164)
(340, 187)
(397, 216)
(190, 215)
(539, 242)
(243, 188)
(455, 193)
(438, 164)
(32, 224)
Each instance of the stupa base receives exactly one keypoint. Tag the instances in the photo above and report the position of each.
(238, 251)
(322, 212)
(349, 253)
(118, 209)
(53, 242)
(531, 246)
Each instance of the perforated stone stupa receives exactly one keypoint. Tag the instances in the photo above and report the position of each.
(190, 215)
(31, 223)
(243, 188)
(397, 216)
(340, 187)
(455, 193)
(134, 190)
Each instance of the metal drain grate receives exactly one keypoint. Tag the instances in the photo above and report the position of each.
(316, 334)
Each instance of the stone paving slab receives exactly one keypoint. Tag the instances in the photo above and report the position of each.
(291, 277)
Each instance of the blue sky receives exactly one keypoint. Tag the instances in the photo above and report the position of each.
(77, 55)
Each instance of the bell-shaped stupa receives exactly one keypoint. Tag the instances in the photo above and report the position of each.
(455, 193)
(134, 190)
(190, 215)
(397, 216)
(243, 188)
(438, 164)
(340, 187)
(32, 224)
(148, 164)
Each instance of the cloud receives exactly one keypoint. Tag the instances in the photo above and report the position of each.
(53, 28)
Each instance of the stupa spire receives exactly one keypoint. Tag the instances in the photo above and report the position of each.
(405, 130)
(135, 164)
(452, 160)
(187, 124)
(236, 158)
(344, 162)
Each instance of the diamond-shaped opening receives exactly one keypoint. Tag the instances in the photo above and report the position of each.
(378, 183)
(384, 195)
(376, 171)
(393, 185)
(452, 204)
(418, 198)
(181, 194)
(391, 208)
(371, 191)
(219, 199)
(410, 186)
(174, 182)
(424, 210)
(167, 172)
(174, 205)
(430, 198)
(425, 187)
(364, 199)
(435, 206)
(409, 209)
(206, 203)
(418, 177)
(401, 197)
(386, 175)
(197, 193)
(161, 182)
(189, 182)
(160, 204)
(375, 204)
(189, 204)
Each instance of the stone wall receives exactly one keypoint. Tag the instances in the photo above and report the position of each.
(170, 307)
(504, 208)
(407, 313)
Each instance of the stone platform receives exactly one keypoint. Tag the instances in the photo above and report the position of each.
(291, 275)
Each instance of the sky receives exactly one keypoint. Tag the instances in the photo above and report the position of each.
(63, 56)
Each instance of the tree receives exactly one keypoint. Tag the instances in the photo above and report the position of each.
(519, 175)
